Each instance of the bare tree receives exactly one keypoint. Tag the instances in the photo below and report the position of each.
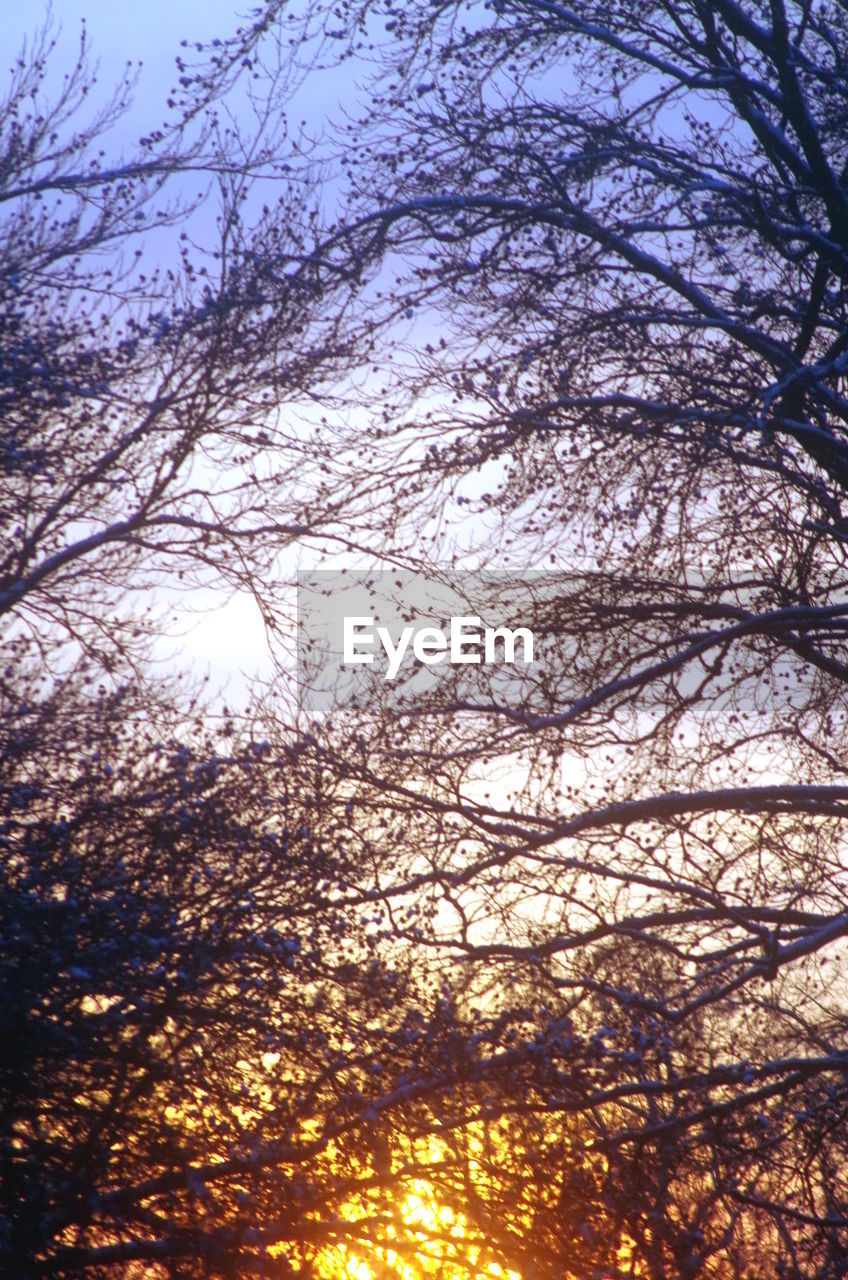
(562, 968)
(189, 1026)
(619, 240)
(144, 442)
(182, 1080)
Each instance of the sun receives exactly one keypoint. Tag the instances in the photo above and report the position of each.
(430, 1239)
(356, 1269)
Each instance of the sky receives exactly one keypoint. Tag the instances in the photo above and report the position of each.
(227, 642)
(149, 32)
(118, 33)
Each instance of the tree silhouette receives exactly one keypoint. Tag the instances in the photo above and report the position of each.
(183, 1008)
(618, 237)
(142, 400)
(552, 985)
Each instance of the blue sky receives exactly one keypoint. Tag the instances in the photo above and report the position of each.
(229, 640)
(150, 32)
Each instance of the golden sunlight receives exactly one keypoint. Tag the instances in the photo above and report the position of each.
(426, 1239)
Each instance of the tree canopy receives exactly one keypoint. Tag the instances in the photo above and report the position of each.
(461, 985)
